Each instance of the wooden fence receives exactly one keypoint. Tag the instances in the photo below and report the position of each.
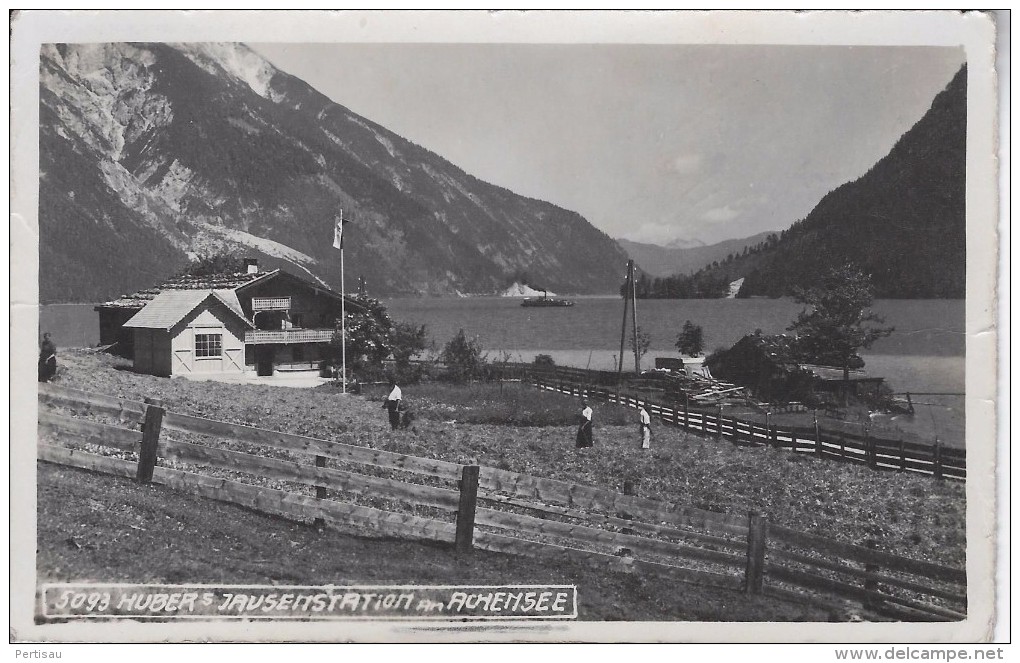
(875, 452)
(345, 485)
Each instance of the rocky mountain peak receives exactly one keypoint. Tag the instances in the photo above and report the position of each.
(151, 153)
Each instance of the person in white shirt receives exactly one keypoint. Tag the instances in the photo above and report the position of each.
(584, 436)
(646, 428)
(392, 404)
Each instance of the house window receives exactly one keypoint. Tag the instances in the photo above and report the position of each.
(208, 345)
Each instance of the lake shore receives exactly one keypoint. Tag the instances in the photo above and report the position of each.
(915, 373)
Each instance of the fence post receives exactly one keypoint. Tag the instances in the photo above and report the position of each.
(870, 585)
(818, 436)
(768, 426)
(151, 426)
(718, 422)
(466, 508)
(842, 445)
(320, 491)
(754, 573)
(903, 456)
(937, 460)
(687, 421)
(630, 487)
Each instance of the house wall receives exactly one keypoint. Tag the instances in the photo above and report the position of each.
(151, 351)
(161, 353)
(143, 353)
(211, 318)
(282, 353)
(112, 330)
(310, 308)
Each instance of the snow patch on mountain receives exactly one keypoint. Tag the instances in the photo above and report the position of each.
(238, 61)
(383, 140)
(524, 290)
(267, 246)
(735, 288)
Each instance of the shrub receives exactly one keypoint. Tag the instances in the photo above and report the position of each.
(463, 357)
(544, 361)
(642, 339)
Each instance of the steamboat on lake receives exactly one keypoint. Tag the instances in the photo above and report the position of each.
(546, 300)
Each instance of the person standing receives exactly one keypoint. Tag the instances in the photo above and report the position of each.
(392, 405)
(584, 435)
(47, 359)
(646, 427)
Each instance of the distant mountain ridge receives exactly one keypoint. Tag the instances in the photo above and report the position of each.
(153, 153)
(658, 260)
(904, 221)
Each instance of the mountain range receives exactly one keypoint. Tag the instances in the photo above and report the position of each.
(903, 222)
(656, 260)
(154, 154)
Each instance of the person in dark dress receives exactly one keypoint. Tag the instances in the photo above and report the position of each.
(47, 359)
(392, 405)
(584, 435)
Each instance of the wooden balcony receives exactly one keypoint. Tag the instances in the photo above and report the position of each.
(270, 304)
(264, 336)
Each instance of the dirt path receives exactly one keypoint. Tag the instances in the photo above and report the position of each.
(93, 527)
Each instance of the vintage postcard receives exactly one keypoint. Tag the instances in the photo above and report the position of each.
(504, 327)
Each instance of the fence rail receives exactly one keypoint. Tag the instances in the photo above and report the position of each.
(288, 336)
(485, 508)
(877, 453)
(270, 303)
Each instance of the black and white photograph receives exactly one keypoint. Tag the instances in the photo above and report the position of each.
(504, 327)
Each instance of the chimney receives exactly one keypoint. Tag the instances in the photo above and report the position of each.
(251, 265)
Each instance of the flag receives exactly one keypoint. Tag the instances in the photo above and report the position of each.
(338, 231)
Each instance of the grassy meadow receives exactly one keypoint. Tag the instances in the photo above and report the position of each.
(910, 515)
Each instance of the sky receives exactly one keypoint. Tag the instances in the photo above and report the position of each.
(653, 143)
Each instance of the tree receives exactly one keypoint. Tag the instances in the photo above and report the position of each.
(644, 341)
(464, 357)
(368, 328)
(407, 341)
(835, 326)
(223, 262)
(691, 340)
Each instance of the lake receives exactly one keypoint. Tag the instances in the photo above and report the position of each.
(925, 353)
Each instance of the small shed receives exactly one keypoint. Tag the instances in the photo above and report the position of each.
(182, 332)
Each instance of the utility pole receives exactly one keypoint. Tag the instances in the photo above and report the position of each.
(633, 315)
(627, 293)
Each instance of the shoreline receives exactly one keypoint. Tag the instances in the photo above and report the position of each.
(899, 370)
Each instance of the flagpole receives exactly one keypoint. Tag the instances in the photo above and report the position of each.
(343, 309)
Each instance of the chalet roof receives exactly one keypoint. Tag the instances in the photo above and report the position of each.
(831, 373)
(171, 306)
(223, 281)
